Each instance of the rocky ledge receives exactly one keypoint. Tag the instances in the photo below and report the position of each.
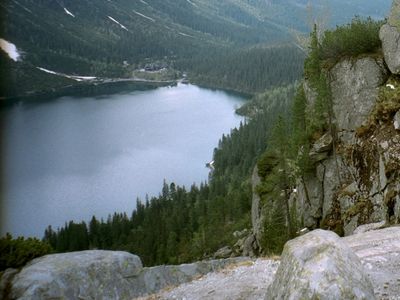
(317, 265)
(98, 274)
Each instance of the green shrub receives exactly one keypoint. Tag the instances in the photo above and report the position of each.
(358, 37)
(266, 163)
(15, 253)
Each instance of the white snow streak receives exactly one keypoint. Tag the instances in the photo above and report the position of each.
(10, 49)
(144, 16)
(184, 34)
(69, 13)
(80, 78)
(194, 4)
(77, 78)
(28, 10)
(48, 71)
(144, 2)
(115, 21)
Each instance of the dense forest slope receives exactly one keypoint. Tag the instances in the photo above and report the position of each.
(204, 38)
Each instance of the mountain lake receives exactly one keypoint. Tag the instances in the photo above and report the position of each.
(75, 157)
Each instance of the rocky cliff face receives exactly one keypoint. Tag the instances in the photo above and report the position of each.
(354, 182)
(356, 179)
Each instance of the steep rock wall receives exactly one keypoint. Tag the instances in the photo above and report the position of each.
(356, 179)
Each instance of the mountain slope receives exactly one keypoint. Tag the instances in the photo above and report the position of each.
(74, 35)
(112, 38)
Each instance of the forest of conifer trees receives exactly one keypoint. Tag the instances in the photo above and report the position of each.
(185, 224)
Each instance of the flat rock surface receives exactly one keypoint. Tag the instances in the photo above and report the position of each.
(246, 280)
(379, 251)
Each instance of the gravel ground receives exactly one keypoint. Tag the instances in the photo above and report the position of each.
(248, 280)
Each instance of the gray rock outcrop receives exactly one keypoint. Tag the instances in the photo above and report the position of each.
(396, 121)
(394, 18)
(319, 265)
(355, 86)
(5, 282)
(390, 37)
(379, 252)
(257, 214)
(368, 227)
(154, 279)
(223, 252)
(98, 275)
(78, 275)
(355, 177)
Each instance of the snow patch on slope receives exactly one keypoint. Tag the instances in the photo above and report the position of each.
(115, 21)
(144, 2)
(47, 71)
(69, 13)
(190, 2)
(144, 16)
(10, 49)
(77, 78)
(184, 34)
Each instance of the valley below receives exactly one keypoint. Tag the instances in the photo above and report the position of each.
(125, 174)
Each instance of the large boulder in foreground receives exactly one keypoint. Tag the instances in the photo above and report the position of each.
(78, 275)
(319, 265)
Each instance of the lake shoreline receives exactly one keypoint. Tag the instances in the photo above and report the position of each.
(86, 89)
(110, 86)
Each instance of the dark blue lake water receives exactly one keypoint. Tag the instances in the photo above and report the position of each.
(72, 158)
